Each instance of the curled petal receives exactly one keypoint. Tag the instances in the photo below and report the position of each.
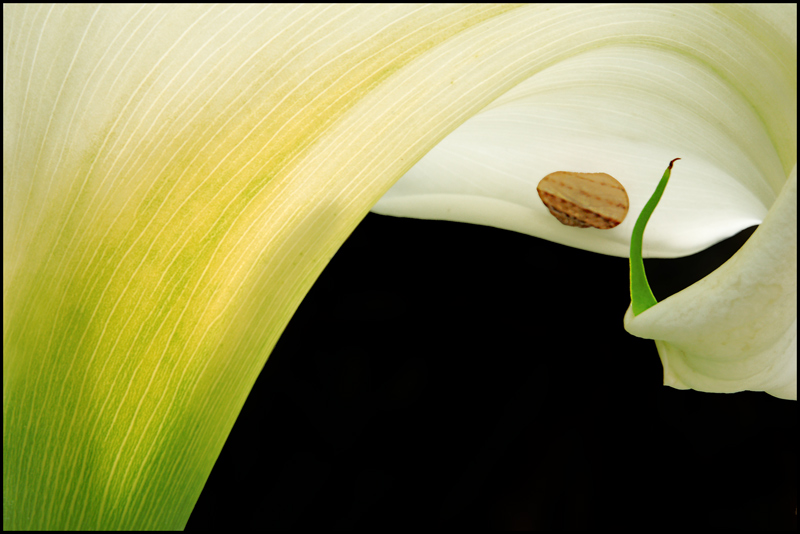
(736, 329)
(624, 108)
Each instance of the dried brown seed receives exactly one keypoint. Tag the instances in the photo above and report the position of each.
(584, 199)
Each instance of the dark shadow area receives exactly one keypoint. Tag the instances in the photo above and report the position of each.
(443, 375)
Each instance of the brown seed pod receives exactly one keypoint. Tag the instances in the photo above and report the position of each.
(584, 199)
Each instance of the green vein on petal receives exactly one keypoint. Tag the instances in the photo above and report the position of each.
(642, 296)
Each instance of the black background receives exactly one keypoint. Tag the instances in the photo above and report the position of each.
(449, 375)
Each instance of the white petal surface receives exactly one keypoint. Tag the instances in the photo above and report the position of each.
(177, 176)
(736, 329)
(627, 109)
(175, 179)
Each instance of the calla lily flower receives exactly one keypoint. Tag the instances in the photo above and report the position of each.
(176, 177)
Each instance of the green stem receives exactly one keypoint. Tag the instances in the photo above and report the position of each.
(642, 296)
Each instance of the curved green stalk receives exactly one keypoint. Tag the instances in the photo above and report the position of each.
(642, 296)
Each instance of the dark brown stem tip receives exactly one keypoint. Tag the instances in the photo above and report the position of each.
(673, 161)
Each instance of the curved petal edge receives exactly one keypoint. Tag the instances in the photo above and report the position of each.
(736, 329)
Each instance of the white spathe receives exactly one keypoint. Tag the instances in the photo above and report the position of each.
(735, 329)
(729, 113)
(626, 111)
(176, 176)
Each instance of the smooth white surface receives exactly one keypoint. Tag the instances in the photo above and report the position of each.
(626, 111)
